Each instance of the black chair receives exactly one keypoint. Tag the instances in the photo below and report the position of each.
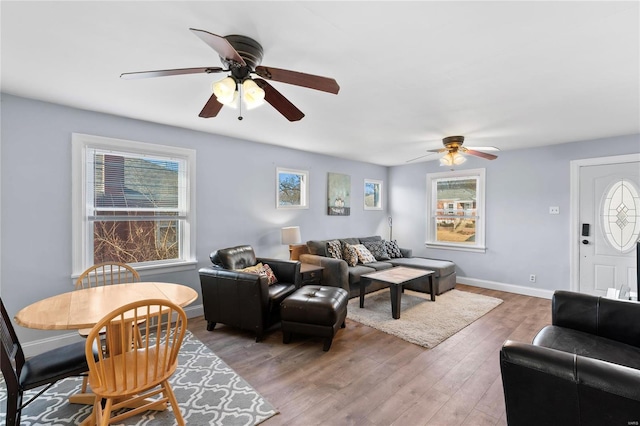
(582, 370)
(45, 369)
(241, 299)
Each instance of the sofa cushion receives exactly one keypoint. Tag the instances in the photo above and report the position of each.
(393, 249)
(356, 271)
(349, 254)
(378, 249)
(379, 266)
(352, 241)
(334, 249)
(370, 239)
(318, 247)
(588, 345)
(364, 255)
(441, 268)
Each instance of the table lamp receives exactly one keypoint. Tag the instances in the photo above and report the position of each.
(291, 235)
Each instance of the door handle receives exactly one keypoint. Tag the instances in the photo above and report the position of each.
(585, 242)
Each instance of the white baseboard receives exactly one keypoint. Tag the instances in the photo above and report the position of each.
(509, 288)
(39, 346)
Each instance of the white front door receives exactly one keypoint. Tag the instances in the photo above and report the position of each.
(609, 226)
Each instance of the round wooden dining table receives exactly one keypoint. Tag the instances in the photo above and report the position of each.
(84, 308)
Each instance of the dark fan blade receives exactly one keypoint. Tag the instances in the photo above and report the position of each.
(164, 73)
(479, 154)
(279, 102)
(437, 150)
(211, 108)
(220, 45)
(316, 82)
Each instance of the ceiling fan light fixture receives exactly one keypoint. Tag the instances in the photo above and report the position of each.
(252, 94)
(225, 90)
(452, 159)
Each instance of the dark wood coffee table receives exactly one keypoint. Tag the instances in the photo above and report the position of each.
(395, 278)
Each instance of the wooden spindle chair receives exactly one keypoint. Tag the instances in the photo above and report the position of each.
(130, 370)
(106, 273)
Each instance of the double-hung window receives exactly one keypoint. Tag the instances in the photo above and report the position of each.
(133, 203)
(455, 206)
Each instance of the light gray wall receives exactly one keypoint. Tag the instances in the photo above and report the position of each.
(235, 196)
(522, 238)
(236, 201)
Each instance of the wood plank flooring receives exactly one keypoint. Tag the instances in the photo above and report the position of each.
(372, 378)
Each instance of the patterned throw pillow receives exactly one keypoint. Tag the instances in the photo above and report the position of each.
(334, 249)
(392, 249)
(349, 254)
(378, 249)
(255, 269)
(260, 269)
(364, 255)
(270, 275)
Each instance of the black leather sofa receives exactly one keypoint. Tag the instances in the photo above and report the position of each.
(584, 369)
(242, 299)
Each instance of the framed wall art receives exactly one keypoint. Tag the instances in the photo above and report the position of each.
(372, 194)
(292, 189)
(338, 194)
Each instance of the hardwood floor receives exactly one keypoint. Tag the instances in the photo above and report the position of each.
(372, 378)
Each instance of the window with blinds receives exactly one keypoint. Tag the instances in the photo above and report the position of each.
(136, 200)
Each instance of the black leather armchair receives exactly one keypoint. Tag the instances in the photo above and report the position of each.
(242, 299)
(584, 369)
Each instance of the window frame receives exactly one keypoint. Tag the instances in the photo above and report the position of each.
(432, 203)
(304, 188)
(82, 235)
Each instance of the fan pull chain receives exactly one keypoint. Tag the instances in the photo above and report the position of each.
(239, 86)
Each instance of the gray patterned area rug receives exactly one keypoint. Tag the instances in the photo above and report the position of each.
(208, 390)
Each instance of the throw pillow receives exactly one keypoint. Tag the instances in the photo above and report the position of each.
(270, 275)
(364, 255)
(263, 270)
(392, 249)
(378, 249)
(334, 249)
(349, 254)
(255, 269)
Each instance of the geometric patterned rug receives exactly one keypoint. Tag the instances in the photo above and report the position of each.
(208, 391)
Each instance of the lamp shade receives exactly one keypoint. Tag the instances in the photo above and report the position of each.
(291, 235)
(225, 90)
(253, 95)
(452, 158)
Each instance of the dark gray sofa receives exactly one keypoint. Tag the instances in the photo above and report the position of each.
(337, 273)
(584, 369)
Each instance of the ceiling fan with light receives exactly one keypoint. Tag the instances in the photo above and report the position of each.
(241, 57)
(454, 150)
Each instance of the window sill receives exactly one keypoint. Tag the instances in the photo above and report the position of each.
(443, 246)
(164, 268)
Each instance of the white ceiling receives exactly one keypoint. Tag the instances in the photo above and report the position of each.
(506, 74)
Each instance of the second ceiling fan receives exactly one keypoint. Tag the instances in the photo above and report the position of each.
(454, 149)
(241, 57)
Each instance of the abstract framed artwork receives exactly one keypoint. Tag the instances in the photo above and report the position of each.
(292, 189)
(338, 194)
(372, 194)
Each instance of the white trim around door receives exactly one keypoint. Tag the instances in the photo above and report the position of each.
(574, 221)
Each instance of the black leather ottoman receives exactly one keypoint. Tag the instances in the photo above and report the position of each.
(314, 310)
